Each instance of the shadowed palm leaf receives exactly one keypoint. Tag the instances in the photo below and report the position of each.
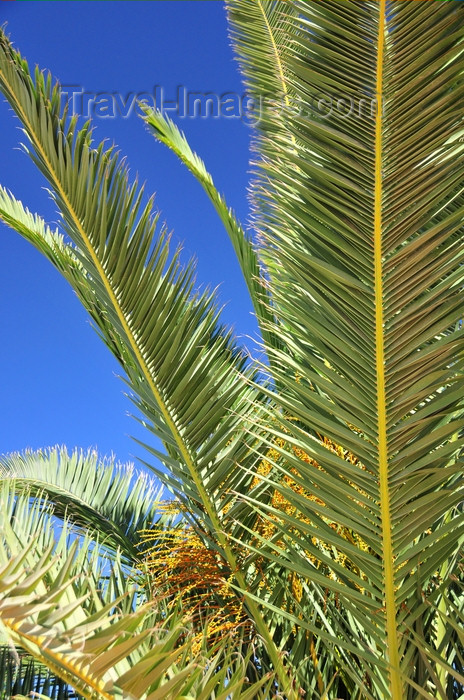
(113, 501)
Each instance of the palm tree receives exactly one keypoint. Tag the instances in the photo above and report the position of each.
(326, 482)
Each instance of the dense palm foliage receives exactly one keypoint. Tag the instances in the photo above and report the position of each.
(320, 492)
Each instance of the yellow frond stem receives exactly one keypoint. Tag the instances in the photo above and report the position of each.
(390, 603)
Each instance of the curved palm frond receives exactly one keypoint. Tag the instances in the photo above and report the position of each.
(360, 215)
(27, 518)
(153, 315)
(110, 500)
(168, 133)
(107, 654)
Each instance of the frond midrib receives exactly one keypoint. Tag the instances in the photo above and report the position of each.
(384, 490)
(53, 660)
(275, 51)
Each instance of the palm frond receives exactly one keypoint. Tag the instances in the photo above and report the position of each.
(168, 133)
(153, 316)
(107, 654)
(77, 616)
(113, 501)
(361, 221)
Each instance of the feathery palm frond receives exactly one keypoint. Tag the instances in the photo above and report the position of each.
(81, 618)
(361, 221)
(112, 501)
(168, 133)
(27, 516)
(153, 316)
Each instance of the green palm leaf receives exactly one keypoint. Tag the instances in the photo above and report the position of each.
(113, 501)
(152, 316)
(106, 654)
(364, 252)
(167, 132)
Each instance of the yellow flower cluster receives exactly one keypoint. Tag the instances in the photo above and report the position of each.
(188, 573)
(268, 526)
(192, 576)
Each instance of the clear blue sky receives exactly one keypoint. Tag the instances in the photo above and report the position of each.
(58, 381)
